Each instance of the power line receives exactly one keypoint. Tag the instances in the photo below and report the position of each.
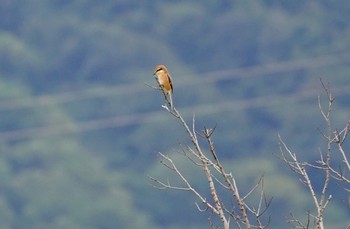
(158, 116)
(229, 74)
(279, 67)
(120, 121)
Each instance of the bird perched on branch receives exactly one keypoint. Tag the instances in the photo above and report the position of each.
(165, 81)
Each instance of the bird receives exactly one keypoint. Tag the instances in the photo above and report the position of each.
(165, 81)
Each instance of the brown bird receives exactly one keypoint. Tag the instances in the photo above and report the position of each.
(165, 81)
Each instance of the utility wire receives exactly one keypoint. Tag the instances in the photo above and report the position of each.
(158, 116)
(210, 77)
(126, 120)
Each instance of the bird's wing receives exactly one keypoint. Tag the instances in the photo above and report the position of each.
(171, 83)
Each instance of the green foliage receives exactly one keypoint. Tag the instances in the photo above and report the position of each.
(64, 186)
(79, 129)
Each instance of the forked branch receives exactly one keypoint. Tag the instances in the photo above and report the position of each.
(325, 164)
(217, 178)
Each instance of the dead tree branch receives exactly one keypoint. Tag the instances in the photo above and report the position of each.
(217, 178)
(324, 165)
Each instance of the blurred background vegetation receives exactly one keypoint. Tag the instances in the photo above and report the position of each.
(80, 130)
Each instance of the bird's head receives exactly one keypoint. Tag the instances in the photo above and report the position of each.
(160, 69)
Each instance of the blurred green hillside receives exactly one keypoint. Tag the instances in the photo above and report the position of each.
(80, 129)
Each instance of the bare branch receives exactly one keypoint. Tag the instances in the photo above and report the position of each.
(154, 87)
(216, 177)
(324, 164)
(299, 168)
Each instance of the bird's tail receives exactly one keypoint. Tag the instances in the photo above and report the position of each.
(171, 100)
